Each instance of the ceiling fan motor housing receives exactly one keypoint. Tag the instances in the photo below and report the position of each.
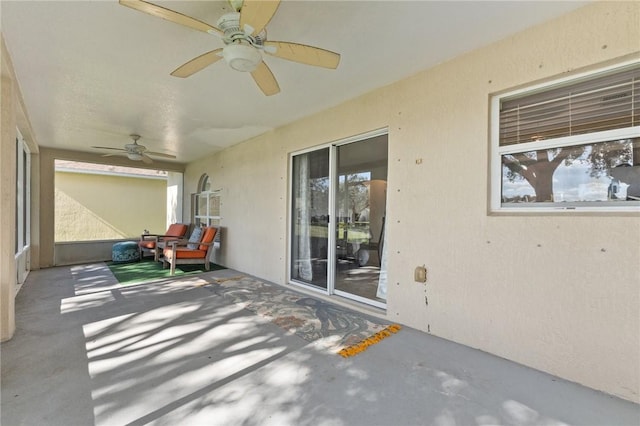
(229, 23)
(239, 52)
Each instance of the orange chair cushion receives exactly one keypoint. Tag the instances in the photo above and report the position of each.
(185, 253)
(177, 230)
(147, 244)
(207, 237)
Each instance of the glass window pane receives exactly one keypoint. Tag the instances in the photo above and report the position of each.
(214, 205)
(25, 197)
(17, 204)
(361, 211)
(310, 218)
(202, 205)
(206, 184)
(598, 172)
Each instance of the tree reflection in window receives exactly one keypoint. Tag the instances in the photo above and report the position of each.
(595, 172)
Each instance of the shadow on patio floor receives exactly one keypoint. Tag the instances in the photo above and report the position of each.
(88, 351)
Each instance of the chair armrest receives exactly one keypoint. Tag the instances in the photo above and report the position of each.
(175, 243)
(170, 237)
(178, 242)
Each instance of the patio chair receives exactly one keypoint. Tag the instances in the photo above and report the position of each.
(149, 243)
(180, 252)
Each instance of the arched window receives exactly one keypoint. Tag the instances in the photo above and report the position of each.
(205, 183)
(205, 204)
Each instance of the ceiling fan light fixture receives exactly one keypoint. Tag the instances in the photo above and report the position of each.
(241, 57)
(134, 156)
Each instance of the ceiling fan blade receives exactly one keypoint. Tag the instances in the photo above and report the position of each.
(119, 154)
(160, 154)
(146, 159)
(171, 15)
(108, 147)
(303, 54)
(265, 80)
(257, 14)
(197, 64)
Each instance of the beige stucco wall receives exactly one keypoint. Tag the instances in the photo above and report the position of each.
(13, 117)
(560, 293)
(102, 207)
(7, 209)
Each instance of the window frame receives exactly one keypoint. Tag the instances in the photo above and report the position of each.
(23, 195)
(205, 192)
(497, 151)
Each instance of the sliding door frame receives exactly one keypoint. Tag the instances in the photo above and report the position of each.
(332, 226)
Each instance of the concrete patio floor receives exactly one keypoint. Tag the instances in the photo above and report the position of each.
(88, 351)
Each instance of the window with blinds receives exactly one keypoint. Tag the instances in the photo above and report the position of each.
(570, 144)
(604, 103)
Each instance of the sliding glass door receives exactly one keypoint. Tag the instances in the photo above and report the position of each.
(338, 213)
(361, 199)
(310, 218)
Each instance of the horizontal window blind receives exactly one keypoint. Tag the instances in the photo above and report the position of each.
(606, 102)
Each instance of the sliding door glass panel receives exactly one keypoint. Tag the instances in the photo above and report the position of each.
(360, 213)
(310, 218)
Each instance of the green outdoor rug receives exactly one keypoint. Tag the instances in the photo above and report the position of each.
(148, 270)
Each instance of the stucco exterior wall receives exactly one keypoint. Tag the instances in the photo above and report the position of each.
(7, 209)
(102, 207)
(559, 293)
(13, 116)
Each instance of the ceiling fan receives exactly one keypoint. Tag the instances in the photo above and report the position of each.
(245, 38)
(135, 152)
